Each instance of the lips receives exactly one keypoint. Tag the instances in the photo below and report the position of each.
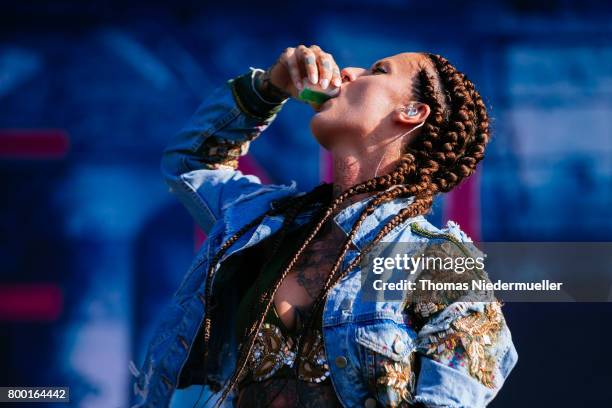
(319, 108)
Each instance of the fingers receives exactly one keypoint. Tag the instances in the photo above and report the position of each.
(337, 76)
(326, 69)
(290, 60)
(329, 72)
(319, 66)
(309, 60)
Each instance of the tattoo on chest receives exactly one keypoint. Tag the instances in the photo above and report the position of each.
(313, 271)
(315, 264)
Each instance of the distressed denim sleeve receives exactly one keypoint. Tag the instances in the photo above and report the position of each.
(466, 353)
(200, 162)
(464, 347)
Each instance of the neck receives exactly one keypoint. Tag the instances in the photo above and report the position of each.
(356, 167)
(348, 172)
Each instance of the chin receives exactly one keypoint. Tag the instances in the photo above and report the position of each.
(331, 129)
(323, 128)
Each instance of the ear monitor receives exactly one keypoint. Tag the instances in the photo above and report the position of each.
(412, 111)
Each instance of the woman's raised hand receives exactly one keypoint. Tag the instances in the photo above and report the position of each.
(300, 64)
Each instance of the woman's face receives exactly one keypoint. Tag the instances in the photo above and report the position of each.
(367, 100)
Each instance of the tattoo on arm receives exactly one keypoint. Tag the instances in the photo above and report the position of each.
(270, 91)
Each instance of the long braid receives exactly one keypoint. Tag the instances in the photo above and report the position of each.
(419, 206)
(330, 280)
(289, 217)
(290, 208)
(208, 286)
(267, 297)
(468, 126)
(446, 151)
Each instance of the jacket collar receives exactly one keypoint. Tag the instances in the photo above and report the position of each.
(374, 222)
(346, 218)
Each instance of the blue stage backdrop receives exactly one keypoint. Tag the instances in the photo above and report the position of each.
(93, 244)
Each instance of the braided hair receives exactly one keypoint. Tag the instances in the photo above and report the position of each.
(446, 151)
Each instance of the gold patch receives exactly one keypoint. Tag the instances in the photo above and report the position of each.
(218, 153)
(399, 378)
(475, 333)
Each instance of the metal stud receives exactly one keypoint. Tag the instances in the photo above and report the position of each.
(341, 361)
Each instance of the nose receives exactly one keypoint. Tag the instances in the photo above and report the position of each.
(351, 73)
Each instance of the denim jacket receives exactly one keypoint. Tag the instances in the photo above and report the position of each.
(376, 356)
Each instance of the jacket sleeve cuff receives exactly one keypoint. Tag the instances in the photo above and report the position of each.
(250, 101)
(442, 386)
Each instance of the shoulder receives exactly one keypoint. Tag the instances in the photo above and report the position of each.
(449, 240)
(420, 227)
(263, 195)
(451, 231)
(252, 202)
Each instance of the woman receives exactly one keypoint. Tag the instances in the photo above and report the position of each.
(271, 312)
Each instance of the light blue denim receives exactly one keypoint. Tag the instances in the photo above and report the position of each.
(357, 334)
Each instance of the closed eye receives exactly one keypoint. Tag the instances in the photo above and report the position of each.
(379, 69)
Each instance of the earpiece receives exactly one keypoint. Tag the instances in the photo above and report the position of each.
(412, 111)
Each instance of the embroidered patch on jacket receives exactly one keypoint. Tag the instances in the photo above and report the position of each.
(468, 342)
(398, 378)
(395, 381)
(218, 153)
